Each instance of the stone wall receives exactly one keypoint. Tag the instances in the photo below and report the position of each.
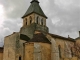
(61, 48)
(77, 47)
(73, 58)
(78, 40)
(54, 48)
(37, 51)
(10, 45)
(29, 30)
(21, 49)
(65, 47)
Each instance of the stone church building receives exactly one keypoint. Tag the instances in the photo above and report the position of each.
(34, 42)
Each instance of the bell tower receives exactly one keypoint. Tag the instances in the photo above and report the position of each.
(34, 18)
(34, 14)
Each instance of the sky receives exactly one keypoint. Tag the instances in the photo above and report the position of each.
(63, 16)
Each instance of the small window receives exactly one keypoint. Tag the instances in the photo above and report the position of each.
(37, 20)
(41, 21)
(30, 19)
(26, 21)
(71, 52)
(59, 47)
(19, 57)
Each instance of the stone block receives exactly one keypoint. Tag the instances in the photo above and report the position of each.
(66, 59)
(74, 58)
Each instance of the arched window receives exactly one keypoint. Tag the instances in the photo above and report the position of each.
(41, 21)
(30, 19)
(26, 21)
(59, 47)
(37, 20)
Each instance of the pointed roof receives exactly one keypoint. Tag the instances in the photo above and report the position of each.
(39, 37)
(34, 8)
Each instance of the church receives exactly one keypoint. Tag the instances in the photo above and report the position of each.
(34, 42)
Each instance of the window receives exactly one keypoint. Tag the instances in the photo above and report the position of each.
(37, 20)
(71, 52)
(30, 19)
(59, 47)
(19, 57)
(26, 21)
(41, 21)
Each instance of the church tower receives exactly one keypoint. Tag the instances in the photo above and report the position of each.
(34, 19)
(30, 43)
(34, 14)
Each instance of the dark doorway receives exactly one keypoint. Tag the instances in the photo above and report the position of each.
(19, 57)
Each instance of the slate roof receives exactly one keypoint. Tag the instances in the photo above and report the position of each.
(39, 38)
(34, 8)
(61, 37)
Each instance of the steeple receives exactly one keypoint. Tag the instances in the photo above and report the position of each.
(34, 20)
(34, 8)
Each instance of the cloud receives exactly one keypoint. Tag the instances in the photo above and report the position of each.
(63, 2)
(2, 15)
(67, 4)
(68, 12)
(55, 20)
(15, 8)
(63, 16)
(11, 12)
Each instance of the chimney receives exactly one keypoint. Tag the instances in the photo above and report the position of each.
(68, 36)
(79, 33)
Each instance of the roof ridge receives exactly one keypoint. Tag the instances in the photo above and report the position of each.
(58, 36)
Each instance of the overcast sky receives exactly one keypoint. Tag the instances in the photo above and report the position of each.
(63, 16)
